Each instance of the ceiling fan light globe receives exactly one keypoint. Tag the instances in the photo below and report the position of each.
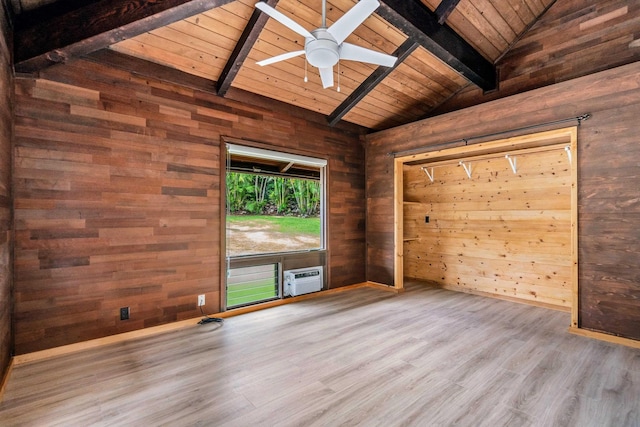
(322, 53)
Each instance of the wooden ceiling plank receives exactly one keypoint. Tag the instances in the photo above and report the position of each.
(240, 52)
(458, 22)
(384, 101)
(390, 94)
(182, 57)
(367, 115)
(375, 124)
(431, 90)
(236, 11)
(219, 19)
(510, 15)
(444, 9)
(218, 47)
(96, 26)
(378, 106)
(376, 77)
(371, 120)
(521, 8)
(205, 36)
(473, 14)
(405, 112)
(493, 16)
(536, 6)
(370, 106)
(179, 44)
(385, 98)
(401, 112)
(311, 96)
(398, 83)
(427, 67)
(215, 23)
(419, 23)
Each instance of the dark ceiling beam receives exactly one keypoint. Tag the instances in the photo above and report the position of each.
(444, 9)
(414, 19)
(94, 26)
(402, 52)
(240, 52)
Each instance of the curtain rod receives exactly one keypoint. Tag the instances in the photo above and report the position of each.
(426, 148)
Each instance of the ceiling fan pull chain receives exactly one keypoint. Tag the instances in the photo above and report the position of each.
(306, 79)
(338, 89)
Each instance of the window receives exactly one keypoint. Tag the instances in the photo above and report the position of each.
(246, 285)
(274, 207)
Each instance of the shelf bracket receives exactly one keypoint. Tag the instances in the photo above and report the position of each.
(467, 168)
(568, 150)
(512, 162)
(429, 174)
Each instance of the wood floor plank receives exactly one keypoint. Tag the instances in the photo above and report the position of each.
(368, 357)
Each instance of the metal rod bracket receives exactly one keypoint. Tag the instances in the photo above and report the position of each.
(512, 162)
(429, 174)
(568, 150)
(467, 168)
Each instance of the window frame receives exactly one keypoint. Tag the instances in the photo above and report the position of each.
(231, 146)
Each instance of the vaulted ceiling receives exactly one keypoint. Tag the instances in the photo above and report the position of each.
(442, 46)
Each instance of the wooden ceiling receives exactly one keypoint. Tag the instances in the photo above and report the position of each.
(223, 41)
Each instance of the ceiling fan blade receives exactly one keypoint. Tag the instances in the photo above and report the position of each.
(352, 52)
(344, 26)
(283, 19)
(279, 58)
(326, 75)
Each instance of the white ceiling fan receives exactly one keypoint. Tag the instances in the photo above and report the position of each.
(324, 47)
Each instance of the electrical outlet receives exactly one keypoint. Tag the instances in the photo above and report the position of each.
(200, 300)
(124, 313)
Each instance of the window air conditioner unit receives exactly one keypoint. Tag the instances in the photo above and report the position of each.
(302, 281)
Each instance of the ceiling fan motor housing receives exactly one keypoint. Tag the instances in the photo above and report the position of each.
(323, 51)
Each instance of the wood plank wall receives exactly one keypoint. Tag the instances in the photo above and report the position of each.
(6, 234)
(495, 233)
(573, 39)
(608, 207)
(117, 199)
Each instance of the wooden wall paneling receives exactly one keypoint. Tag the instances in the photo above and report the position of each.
(6, 220)
(608, 225)
(497, 232)
(606, 229)
(398, 223)
(572, 39)
(118, 199)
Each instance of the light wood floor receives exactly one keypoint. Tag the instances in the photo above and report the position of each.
(428, 357)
